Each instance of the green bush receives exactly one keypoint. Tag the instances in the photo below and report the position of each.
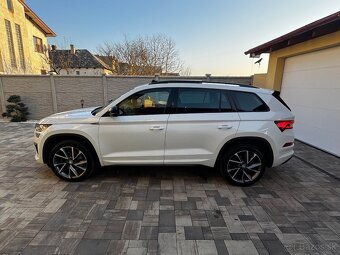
(15, 109)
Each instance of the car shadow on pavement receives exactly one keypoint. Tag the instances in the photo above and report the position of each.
(163, 172)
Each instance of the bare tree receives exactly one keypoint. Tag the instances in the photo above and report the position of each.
(186, 71)
(58, 58)
(144, 55)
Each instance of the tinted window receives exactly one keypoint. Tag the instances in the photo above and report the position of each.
(249, 102)
(145, 103)
(191, 100)
(225, 102)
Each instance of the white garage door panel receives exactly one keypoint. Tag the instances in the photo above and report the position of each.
(308, 113)
(310, 81)
(311, 61)
(311, 87)
(311, 98)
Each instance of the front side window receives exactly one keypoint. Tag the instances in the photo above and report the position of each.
(145, 102)
(249, 102)
(38, 44)
(192, 100)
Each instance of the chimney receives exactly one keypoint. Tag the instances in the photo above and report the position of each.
(54, 47)
(73, 49)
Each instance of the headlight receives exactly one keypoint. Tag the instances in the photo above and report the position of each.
(41, 127)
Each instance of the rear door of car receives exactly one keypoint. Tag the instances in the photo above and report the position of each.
(200, 123)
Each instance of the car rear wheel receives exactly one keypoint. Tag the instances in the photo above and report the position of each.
(243, 165)
(71, 161)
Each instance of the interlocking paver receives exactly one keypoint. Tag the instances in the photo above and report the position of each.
(240, 247)
(294, 209)
(193, 233)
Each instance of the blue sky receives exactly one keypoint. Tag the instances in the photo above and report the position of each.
(211, 35)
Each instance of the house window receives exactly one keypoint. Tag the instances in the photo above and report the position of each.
(78, 72)
(10, 43)
(20, 46)
(38, 45)
(10, 5)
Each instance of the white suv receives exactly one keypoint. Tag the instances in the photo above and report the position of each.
(239, 129)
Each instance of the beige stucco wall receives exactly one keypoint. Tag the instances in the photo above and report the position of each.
(259, 80)
(277, 58)
(34, 61)
(38, 60)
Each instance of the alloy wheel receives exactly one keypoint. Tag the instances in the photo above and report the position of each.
(244, 166)
(70, 162)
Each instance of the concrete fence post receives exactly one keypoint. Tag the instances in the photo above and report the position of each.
(2, 96)
(105, 89)
(54, 94)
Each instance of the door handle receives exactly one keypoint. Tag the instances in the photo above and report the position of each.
(156, 128)
(224, 127)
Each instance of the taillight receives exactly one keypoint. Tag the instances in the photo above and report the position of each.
(284, 124)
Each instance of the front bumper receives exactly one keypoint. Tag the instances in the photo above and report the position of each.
(38, 149)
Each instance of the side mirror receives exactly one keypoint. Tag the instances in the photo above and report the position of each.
(113, 111)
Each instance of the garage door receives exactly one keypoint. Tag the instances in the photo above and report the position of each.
(311, 87)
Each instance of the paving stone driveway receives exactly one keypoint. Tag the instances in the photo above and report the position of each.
(294, 209)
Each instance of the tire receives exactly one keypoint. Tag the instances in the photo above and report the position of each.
(71, 161)
(240, 169)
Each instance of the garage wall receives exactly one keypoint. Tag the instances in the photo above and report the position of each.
(311, 87)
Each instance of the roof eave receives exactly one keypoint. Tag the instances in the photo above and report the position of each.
(28, 11)
(288, 39)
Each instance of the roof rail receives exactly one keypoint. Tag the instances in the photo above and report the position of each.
(200, 82)
(175, 81)
(232, 83)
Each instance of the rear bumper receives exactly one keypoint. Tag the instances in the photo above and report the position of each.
(283, 157)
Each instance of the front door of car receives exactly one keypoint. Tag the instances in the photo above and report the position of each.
(204, 119)
(137, 134)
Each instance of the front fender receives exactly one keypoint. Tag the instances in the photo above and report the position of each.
(85, 131)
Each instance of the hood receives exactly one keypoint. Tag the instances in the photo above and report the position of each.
(82, 115)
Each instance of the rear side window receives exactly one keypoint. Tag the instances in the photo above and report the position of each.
(276, 94)
(192, 100)
(249, 102)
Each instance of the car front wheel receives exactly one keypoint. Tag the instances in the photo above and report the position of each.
(243, 165)
(71, 161)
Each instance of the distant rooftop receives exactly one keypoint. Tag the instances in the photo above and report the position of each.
(81, 58)
(324, 26)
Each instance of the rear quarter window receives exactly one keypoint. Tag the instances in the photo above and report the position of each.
(249, 102)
